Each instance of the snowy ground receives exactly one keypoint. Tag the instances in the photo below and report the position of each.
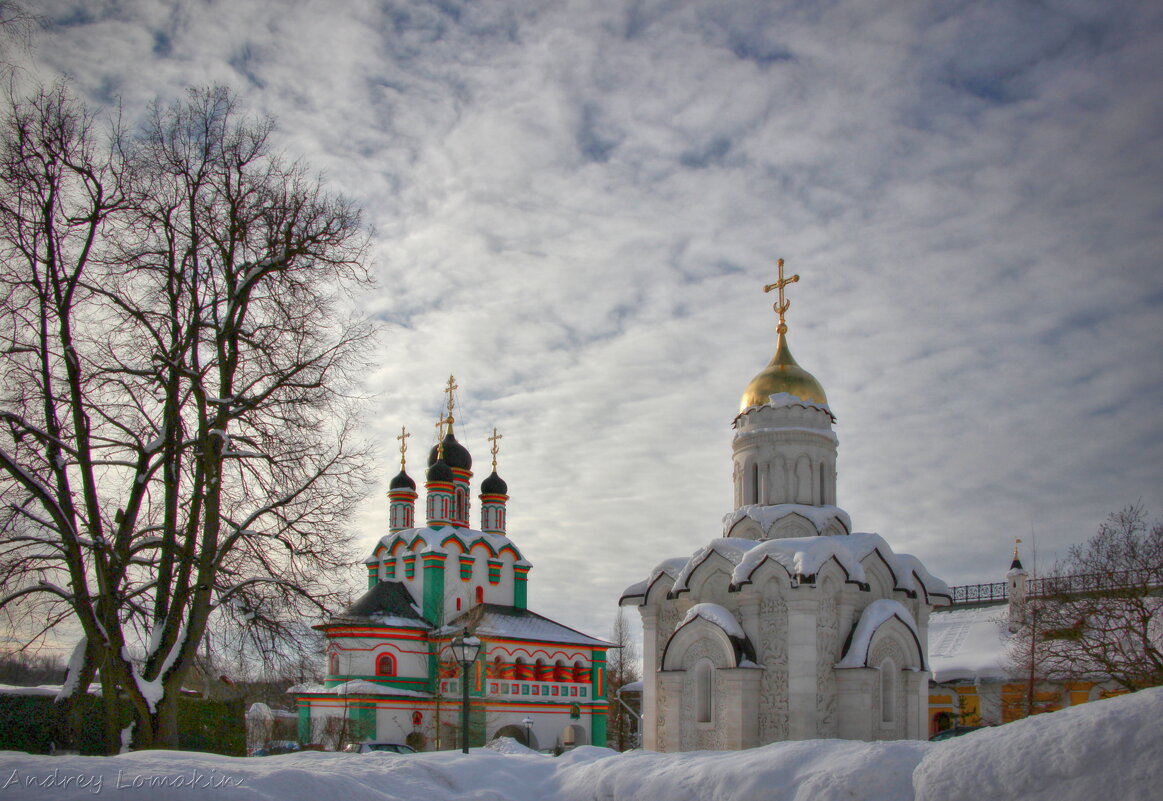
(1103, 750)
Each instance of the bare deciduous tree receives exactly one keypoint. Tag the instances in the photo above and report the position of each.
(621, 670)
(1099, 614)
(177, 439)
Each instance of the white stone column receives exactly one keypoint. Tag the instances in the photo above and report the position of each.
(801, 667)
(669, 738)
(649, 676)
(741, 688)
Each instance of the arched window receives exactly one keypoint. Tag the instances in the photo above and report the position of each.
(561, 672)
(458, 604)
(480, 595)
(887, 690)
(579, 672)
(823, 493)
(333, 664)
(521, 670)
(385, 665)
(704, 681)
(754, 483)
(459, 504)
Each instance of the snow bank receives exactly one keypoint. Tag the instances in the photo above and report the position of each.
(1106, 749)
(1110, 749)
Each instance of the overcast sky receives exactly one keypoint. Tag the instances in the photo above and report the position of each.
(577, 205)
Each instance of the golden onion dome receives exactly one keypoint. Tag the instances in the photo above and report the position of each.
(782, 374)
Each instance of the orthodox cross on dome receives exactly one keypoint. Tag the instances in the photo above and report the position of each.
(449, 389)
(495, 438)
(782, 305)
(403, 437)
(1017, 542)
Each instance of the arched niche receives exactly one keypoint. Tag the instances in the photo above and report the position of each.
(711, 580)
(791, 526)
(698, 639)
(747, 529)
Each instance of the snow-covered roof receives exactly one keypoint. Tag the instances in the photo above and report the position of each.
(714, 613)
(355, 687)
(875, 615)
(767, 516)
(388, 603)
(969, 644)
(42, 689)
(803, 556)
(936, 589)
(733, 549)
(511, 623)
(799, 556)
(444, 539)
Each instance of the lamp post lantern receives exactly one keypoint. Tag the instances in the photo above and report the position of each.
(465, 648)
(528, 724)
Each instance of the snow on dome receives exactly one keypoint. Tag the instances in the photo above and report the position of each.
(787, 399)
(714, 613)
(767, 516)
(875, 615)
(731, 549)
(800, 556)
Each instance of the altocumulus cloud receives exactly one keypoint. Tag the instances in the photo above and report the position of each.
(577, 203)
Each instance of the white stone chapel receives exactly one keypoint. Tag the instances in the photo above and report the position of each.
(789, 625)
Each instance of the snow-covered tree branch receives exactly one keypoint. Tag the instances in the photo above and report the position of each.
(173, 358)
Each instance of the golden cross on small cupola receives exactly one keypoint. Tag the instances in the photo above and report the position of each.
(440, 436)
(495, 438)
(1017, 542)
(403, 437)
(782, 305)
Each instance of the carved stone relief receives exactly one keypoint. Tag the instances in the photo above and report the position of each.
(827, 647)
(772, 655)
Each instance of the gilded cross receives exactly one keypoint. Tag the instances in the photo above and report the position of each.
(403, 437)
(451, 386)
(440, 435)
(495, 448)
(782, 305)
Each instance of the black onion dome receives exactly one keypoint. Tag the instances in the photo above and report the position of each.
(494, 485)
(440, 471)
(455, 454)
(402, 481)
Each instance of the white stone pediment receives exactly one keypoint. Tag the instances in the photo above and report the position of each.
(701, 636)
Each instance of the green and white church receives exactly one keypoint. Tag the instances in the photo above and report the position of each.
(390, 673)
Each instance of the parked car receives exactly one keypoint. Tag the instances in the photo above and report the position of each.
(391, 748)
(956, 731)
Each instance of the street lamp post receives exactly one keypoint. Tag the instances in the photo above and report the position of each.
(528, 724)
(465, 648)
